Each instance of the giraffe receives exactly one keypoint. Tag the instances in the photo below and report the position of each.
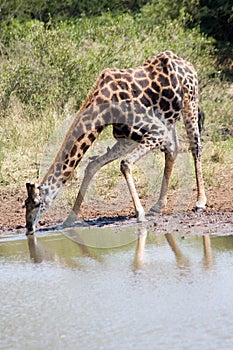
(143, 105)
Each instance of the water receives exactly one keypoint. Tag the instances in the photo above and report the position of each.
(152, 292)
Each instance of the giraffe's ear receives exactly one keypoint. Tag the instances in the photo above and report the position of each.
(30, 189)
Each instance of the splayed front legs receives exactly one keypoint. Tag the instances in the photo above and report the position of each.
(120, 148)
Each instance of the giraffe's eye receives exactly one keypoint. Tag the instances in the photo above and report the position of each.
(26, 201)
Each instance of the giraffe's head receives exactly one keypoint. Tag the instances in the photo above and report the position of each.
(33, 205)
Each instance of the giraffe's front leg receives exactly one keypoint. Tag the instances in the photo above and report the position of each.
(90, 171)
(120, 148)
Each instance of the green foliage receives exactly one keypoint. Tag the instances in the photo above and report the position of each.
(158, 11)
(43, 10)
(45, 66)
(40, 66)
(215, 18)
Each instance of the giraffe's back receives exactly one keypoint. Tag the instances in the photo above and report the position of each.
(159, 83)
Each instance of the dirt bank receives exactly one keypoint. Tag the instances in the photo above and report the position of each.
(218, 217)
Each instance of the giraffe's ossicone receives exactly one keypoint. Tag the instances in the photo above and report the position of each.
(143, 105)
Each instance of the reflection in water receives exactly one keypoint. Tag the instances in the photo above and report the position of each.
(39, 253)
(116, 298)
(208, 257)
(181, 260)
(142, 235)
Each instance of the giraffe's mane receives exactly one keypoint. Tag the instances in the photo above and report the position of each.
(89, 96)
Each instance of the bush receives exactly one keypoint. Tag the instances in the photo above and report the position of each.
(43, 67)
(43, 10)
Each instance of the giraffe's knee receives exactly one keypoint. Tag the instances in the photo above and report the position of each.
(91, 169)
(172, 151)
(125, 167)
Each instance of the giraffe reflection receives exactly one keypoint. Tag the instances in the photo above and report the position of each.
(39, 253)
(208, 261)
(182, 261)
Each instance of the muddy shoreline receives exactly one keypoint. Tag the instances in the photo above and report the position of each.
(216, 219)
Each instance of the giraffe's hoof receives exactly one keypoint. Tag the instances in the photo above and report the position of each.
(198, 209)
(158, 207)
(155, 209)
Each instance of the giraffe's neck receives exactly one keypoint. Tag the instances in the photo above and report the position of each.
(80, 136)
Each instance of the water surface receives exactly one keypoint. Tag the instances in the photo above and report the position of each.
(150, 291)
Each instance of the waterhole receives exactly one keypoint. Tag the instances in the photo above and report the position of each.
(116, 288)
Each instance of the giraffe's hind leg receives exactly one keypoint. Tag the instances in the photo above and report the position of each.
(119, 149)
(162, 201)
(190, 115)
(170, 157)
(126, 169)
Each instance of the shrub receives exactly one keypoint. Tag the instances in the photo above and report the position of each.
(44, 66)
